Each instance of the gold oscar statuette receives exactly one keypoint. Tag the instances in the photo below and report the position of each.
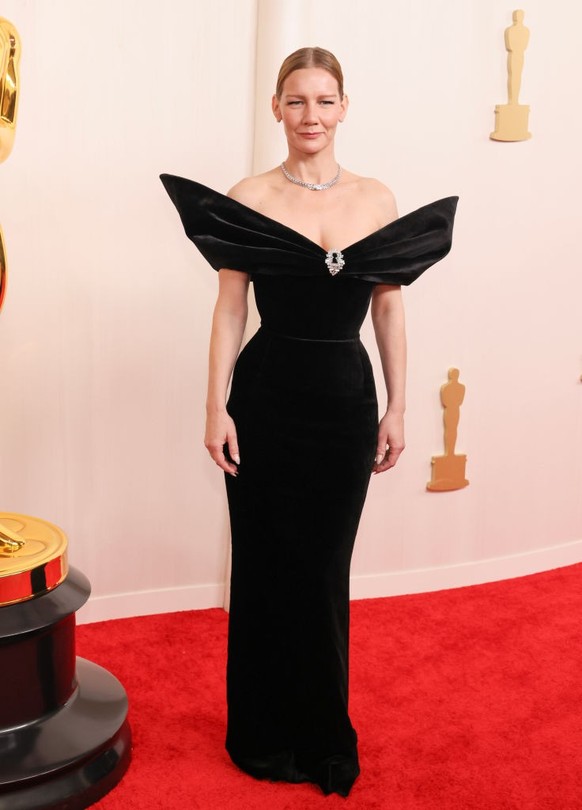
(448, 471)
(10, 542)
(9, 85)
(9, 93)
(511, 119)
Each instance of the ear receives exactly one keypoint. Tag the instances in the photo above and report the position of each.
(276, 109)
(344, 104)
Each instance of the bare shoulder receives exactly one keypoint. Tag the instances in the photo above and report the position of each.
(373, 194)
(251, 191)
(378, 195)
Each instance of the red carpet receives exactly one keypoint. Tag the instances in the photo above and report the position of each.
(468, 699)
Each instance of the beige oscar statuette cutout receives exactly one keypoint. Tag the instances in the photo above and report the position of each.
(511, 119)
(448, 471)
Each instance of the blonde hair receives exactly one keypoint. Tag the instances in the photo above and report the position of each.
(310, 58)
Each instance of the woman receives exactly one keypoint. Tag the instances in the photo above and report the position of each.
(300, 435)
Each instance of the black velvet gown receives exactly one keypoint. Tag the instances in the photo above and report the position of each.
(304, 404)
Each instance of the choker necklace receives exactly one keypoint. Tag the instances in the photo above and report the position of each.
(312, 186)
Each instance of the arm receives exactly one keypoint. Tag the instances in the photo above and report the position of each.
(228, 324)
(388, 320)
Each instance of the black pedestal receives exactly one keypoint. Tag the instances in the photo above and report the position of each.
(64, 737)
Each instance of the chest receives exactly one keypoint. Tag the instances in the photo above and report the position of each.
(333, 222)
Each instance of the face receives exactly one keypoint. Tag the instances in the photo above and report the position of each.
(310, 109)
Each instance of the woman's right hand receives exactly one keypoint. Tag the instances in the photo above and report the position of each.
(221, 431)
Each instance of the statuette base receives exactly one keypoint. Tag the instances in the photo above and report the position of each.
(511, 123)
(448, 473)
(64, 736)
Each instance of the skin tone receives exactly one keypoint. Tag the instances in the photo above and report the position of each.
(310, 110)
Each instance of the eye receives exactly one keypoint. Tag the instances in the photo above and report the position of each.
(327, 101)
(294, 103)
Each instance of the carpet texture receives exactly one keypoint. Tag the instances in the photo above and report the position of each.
(468, 699)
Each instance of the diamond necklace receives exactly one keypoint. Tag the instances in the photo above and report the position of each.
(312, 186)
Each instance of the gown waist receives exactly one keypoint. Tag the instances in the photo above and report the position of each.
(272, 333)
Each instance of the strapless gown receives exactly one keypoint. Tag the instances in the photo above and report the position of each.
(304, 404)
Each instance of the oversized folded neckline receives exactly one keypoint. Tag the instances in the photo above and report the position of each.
(236, 205)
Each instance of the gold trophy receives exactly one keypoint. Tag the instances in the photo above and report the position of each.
(64, 736)
(9, 85)
(9, 92)
(33, 553)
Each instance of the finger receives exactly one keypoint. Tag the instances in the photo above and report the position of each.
(217, 455)
(379, 459)
(233, 450)
(381, 449)
(389, 460)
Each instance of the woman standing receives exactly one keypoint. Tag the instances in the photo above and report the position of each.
(299, 435)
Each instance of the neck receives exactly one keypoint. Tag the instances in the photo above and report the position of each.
(312, 168)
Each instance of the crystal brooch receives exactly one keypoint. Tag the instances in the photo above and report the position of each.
(334, 260)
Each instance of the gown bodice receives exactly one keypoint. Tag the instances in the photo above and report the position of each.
(314, 307)
(296, 293)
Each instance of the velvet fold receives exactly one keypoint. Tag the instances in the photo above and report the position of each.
(231, 235)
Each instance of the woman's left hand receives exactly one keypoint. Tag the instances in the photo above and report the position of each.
(390, 441)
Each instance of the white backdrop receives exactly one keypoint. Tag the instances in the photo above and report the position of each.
(103, 337)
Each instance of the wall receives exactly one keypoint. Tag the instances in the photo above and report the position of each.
(104, 331)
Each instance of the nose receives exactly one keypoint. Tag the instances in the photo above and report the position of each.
(310, 113)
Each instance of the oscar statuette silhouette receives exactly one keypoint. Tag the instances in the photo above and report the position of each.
(511, 119)
(448, 471)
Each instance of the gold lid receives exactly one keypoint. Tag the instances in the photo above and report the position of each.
(33, 557)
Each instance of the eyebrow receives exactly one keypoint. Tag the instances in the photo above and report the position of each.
(321, 95)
